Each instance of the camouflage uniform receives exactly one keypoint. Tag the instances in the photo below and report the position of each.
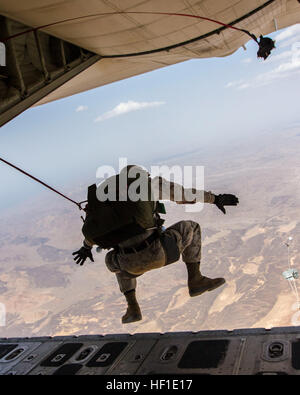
(154, 249)
(187, 236)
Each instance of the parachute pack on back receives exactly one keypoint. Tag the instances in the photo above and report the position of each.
(113, 221)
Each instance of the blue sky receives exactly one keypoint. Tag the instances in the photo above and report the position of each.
(193, 105)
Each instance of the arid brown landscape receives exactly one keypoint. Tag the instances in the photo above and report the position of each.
(45, 293)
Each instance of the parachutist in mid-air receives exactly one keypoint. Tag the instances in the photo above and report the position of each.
(133, 231)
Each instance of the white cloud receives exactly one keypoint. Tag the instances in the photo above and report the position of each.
(290, 42)
(288, 65)
(282, 56)
(81, 108)
(124, 108)
(245, 85)
(284, 70)
(247, 60)
(288, 33)
(288, 37)
(233, 84)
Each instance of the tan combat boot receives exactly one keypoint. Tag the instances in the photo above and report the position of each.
(133, 312)
(199, 284)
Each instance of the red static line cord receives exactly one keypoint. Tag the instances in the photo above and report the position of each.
(125, 13)
(41, 182)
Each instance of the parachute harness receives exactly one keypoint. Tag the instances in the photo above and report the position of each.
(265, 44)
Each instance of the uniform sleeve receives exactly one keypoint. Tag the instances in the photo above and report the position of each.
(89, 243)
(168, 190)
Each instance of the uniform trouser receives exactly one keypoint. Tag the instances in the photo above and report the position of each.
(187, 238)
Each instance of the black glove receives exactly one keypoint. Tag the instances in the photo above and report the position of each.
(82, 254)
(225, 200)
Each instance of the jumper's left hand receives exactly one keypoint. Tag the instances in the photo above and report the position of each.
(81, 255)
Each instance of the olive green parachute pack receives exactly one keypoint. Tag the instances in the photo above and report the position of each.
(111, 222)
